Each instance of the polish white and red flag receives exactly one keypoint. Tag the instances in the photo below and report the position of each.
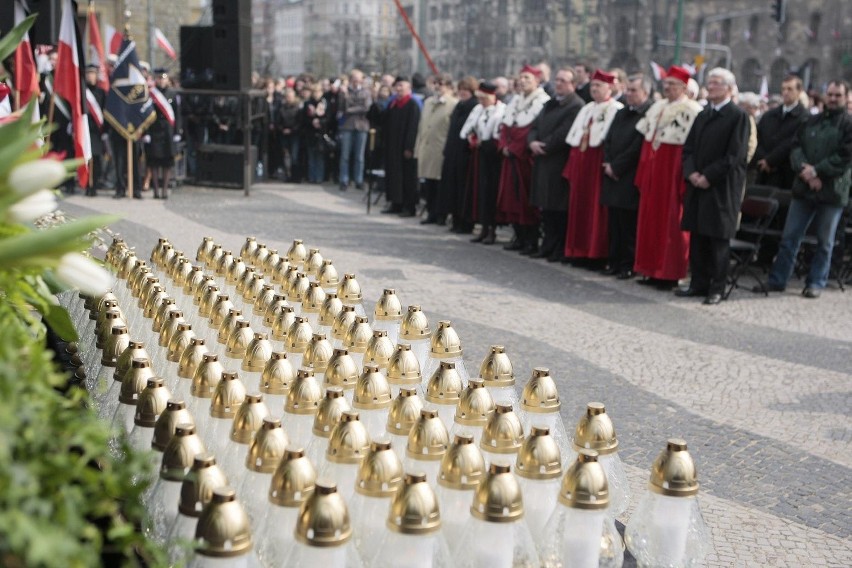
(26, 73)
(163, 104)
(68, 84)
(96, 49)
(164, 44)
(113, 39)
(659, 72)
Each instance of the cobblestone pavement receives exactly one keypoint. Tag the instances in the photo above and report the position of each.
(760, 388)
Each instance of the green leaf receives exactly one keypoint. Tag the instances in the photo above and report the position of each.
(59, 320)
(9, 43)
(20, 249)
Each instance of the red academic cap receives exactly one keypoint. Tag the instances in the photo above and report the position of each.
(534, 71)
(678, 73)
(603, 76)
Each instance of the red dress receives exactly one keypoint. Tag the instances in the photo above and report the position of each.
(662, 249)
(513, 195)
(587, 234)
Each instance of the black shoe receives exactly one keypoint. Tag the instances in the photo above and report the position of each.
(610, 271)
(491, 238)
(812, 293)
(359, 186)
(555, 257)
(528, 250)
(137, 196)
(646, 281)
(344, 187)
(515, 244)
(392, 210)
(691, 293)
(712, 299)
(117, 196)
(665, 285)
(625, 275)
(768, 288)
(407, 214)
(429, 221)
(480, 237)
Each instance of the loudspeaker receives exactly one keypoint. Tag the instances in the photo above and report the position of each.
(221, 165)
(196, 57)
(232, 12)
(232, 64)
(45, 30)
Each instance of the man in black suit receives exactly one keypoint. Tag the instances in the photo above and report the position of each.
(714, 165)
(776, 132)
(622, 147)
(582, 74)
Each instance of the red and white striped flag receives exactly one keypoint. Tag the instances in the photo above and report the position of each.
(96, 49)
(764, 89)
(68, 84)
(26, 74)
(96, 113)
(164, 44)
(163, 104)
(113, 39)
(659, 72)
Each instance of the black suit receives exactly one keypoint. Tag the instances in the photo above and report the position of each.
(716, 147)
(776, 132)
(585, 92)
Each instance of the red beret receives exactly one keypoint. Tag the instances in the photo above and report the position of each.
(534, 71)
(603, 76)
(678, 73)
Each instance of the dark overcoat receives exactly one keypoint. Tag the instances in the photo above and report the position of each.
(399, 131)
(549, 189)
(456, 157)
(622, 147)
(95, 131)
(716, 147)
(775, 136)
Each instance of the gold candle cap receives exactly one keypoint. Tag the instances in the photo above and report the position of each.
(201, 291)
(343, 322)
(595, 430)
(305, 394)
(182, 271)
(673, 473)
(158, 294)
(372, 390)
(278, 374)
(249, 419)
(235, 272)
(539, 456)
(229, 395)
(179, 341)
(584, 485)
(258, 352)
(332, 407)
(174, 414)
(293, 480)
(414, 324)
(111, 318)
(273, 259)
(379, 349)
(404, 411)
(279, 301)
(289, 277)
(152, 402)
(349, 441)
(193, 280)
(191, 358)
(313, 298)
(403, 367)
(279, 273)
(239, 339)
(268, 447)
(388, 306)
(445, 342)
(169, 329)
(245, 280)
(260, 255)
(214, 257)
(428, 438)
(496, 368)
(299, 335)
(179, 453)
(157, 251)
(358, 335)
(540, 394)
(208, 300)
(463, 466)
(248, 247)
(318, 353)
(135, 381)
(116, 344)
(349, 291)
(313, 263)
(297, 253)
(298, 287)
(206, 376)
(265, 298)
(223, 529)
(498, 497)
(327, 275)
(380, 473)
(341, 371)
(220, 310)
(445, 385)
(196, 491)
(475, 405)
(204, 249)
(323, 518)
(414, 509)
(226, 261)
(166, 307)
(503, 433)
(331, 307)
(284, 320)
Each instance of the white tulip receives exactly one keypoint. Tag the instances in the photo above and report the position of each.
(32, 207)
(79, 272)
(38, 174)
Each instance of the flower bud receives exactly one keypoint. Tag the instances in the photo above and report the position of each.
(39, 174)
(77, 271)
(32, 207)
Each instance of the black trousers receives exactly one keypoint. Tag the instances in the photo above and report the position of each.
(554, 224)
(429, 192)
(708, 261)
(622, 238)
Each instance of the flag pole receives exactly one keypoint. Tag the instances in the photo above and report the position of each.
(130, 167)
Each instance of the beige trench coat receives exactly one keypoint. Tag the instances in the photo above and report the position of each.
(432, 135)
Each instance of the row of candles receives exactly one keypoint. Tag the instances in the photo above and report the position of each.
(361, 469)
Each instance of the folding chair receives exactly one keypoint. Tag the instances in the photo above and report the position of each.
(756, 190)
(757, 214)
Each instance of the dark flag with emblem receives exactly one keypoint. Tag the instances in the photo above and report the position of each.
(129, 107)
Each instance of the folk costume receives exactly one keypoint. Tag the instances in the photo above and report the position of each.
(662, 247)
(586, 235)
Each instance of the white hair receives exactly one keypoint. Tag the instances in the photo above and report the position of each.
(725, 75)
(749, 98)
(692, 88)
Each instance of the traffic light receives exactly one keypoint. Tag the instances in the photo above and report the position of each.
(779, 11)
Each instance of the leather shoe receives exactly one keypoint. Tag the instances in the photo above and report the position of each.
(406, 214)
(540, 254)
(528, 250)
(391, 210)
(428, 221)
(555, 257)
(610, 271)
(712, 299)
(812, 293)
(691, 293)
(768, 288)
(514, 245)
(479, 238)
(490, 239)
(625, 275)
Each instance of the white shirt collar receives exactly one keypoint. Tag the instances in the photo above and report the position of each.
(721, 105)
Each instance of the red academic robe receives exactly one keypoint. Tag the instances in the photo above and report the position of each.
(587, 234)
(513, 203)
(662, 249)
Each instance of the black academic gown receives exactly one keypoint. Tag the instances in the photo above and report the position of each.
(400, 133)
(454, 171)
(622, 147)
(549, 189)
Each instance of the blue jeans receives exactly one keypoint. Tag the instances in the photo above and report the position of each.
(352, 145)
(316, 165)
(802, 213)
